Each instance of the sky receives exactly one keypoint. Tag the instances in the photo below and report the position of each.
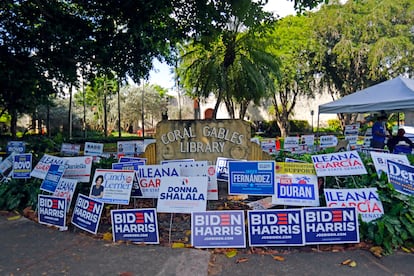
(161, 74)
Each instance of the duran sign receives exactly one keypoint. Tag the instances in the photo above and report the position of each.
(330, 225)
(401, 177)
(275, 227)
(51, 210)
(222, 229)
(135, 225)
(87, 213)
(251, 177)
(296, 184)
(338, 164)
(366, 200)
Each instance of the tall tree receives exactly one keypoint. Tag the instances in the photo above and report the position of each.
(364, 43)
(234, 67)
(292, 42)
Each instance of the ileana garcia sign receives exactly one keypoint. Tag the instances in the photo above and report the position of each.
(202, 139)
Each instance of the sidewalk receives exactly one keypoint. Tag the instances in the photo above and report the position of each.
(28, 248)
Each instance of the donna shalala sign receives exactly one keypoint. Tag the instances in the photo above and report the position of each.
(202, 139)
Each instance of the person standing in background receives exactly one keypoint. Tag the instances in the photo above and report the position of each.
(379, 133)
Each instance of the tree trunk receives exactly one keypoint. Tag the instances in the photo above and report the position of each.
(13, 123)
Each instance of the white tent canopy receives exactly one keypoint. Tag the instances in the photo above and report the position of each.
(394, 95)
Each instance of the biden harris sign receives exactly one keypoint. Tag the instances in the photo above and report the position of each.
(135, 225)
(275, 227)
(223, 229)
(330, 225)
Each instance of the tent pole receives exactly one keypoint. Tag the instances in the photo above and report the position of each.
(317, 125)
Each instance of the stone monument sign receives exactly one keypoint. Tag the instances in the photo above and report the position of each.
(202, 139)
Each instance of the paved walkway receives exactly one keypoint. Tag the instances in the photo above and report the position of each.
(28, 248)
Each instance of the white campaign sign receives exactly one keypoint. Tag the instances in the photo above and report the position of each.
(182, 194)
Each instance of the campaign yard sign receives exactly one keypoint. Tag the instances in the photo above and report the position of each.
(17, 147)
(380, 160)
(366, 200)
(42, 167)
(127, 166)
(128, 148)
(78, 168)
(218, 229)
(135, 225)
(65, 189)
(338, 164)
(275, 227)
(291, 143)
(251, 177)
(296, 184)
(401, 177)
(268, 145)
(352, 129)
(187, 167)
(133, 159)
(117, 186)
(182, 194)
(52, 178)
(149, 177)
(328, 225)
(93, 149)
(326, 141)
(222, 168)
(22, 165)
(51, 210)
(6, 166)
(205, 170)
(136, 189)
(68, 149)
(87, 213)
(131, 166)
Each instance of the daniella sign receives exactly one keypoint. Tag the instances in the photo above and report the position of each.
(203, 139)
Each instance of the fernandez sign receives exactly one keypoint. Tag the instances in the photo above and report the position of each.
(251, 177)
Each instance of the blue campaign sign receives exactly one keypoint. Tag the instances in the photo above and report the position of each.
(251, 177)
(135, 225)
(51, 210)
(222, 168)
(87, 213)
(218, 229)
(22, 165)
(52, 178)
(16, 146)
(275, 227)
(325, 225)
(128, 166)
(132, 159)
(136, 189)
(398, 176)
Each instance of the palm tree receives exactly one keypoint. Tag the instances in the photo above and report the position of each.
(234, 66)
